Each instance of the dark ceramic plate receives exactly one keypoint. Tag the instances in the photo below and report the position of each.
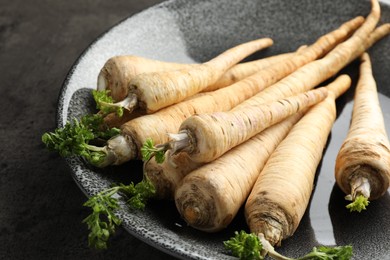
(195, 31)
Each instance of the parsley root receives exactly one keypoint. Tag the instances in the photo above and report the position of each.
(363, 162)
(209, 197)
(205, 137)
(283, 189)
(156, 90)
(118, 71)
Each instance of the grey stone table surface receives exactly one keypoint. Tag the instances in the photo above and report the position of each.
(40, 204)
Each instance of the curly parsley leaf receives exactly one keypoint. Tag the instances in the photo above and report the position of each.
(149, 150)
(102, 222)
(75, 137)
(245, 246)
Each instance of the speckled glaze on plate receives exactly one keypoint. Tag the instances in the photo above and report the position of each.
(195, 31)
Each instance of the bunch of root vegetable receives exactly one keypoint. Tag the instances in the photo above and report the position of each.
(222, 134)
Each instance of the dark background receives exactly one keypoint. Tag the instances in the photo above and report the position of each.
(40, 205)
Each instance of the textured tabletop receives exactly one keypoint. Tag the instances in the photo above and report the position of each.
(40, 205)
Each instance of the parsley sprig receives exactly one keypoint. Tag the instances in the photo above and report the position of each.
(358, 204)
(149, 150)
(251, 247)
(102, 222)
(105, 103)
(75, 138)
(244, 246)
